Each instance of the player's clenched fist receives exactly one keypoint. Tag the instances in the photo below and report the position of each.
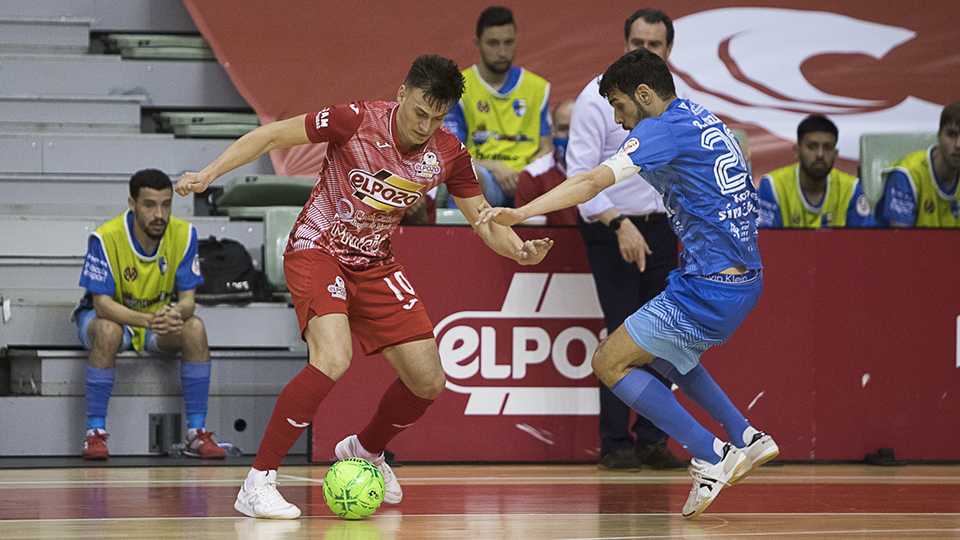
(191, 182)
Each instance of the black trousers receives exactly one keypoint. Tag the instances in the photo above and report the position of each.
(622, 289)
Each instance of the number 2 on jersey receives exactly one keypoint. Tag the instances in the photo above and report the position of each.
(727, 160)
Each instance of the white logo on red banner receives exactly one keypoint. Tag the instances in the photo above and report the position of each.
(540, 342)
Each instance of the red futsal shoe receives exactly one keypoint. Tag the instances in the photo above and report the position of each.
(203, 446)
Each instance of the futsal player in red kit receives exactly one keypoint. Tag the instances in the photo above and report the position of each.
(382, 157)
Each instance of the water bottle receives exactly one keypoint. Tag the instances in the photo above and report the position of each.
(231, 449)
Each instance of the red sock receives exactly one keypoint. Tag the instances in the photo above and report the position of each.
(399, 409)
(298, 403)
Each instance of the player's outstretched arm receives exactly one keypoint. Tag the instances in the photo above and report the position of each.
(577, 189)
(281, 134)
(500, 239)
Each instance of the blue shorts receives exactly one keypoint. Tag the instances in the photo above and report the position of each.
(83, 319)
(692, 314)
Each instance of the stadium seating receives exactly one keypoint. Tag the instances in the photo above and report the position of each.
(879, 151)
(75, 122)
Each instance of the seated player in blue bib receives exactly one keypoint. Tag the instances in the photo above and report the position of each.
(695, 163)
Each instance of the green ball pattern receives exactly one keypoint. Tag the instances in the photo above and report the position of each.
(353, 488)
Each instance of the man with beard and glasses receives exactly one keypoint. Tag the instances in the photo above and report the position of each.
(920, 190)
(676, 145)
(811, 194)
(140, 273)
(502, 116)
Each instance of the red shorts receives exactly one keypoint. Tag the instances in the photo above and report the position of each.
(380, 303)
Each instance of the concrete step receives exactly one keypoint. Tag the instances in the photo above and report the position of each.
(166, 84)
(70, 113)
(98, 154)
(45, 35)
(39, 317)
(234, 372)
(108, 15)
(56, 425)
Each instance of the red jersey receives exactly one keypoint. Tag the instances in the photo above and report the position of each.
(368, 179)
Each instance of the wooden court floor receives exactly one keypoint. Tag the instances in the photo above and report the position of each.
(490, 502)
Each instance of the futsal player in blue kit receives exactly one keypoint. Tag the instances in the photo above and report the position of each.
(695, 163)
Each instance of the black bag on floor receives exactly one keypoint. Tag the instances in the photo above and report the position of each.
(228, 273)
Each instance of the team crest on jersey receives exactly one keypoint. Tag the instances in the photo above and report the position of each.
(338, 289)
(384, 190)
(428, 166)
(630, 146)
(928, 207)
(483, 106)
(162, 264)
(519, 107)
(195, 266)
(130, 273)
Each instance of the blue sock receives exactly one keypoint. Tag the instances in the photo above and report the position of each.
(195, 381)
(650, 398)
(99, 388)
(704, 391)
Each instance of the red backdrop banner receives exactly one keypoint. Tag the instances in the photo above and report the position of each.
(761, 66)
(853, 346)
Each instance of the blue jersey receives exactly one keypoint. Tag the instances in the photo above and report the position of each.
(693, 160)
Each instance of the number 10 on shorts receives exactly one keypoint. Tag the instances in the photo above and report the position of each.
(405, 285)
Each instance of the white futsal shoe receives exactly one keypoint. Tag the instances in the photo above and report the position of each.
(263, 500)
(709, 479)
(760, 450)
(351, 447)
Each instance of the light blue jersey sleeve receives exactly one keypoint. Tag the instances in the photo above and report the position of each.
(456, 122)
(770, 214)
(898, 202)
(188, 273)
(96, 275)
(858, 211)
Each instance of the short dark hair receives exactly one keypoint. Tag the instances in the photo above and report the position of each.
(816, 123)
(494, 16)
(149, 178)
(650, 16)
(438, 77)
(950, 115)
(635, 68)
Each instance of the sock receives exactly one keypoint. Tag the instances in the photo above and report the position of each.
(295, 408)
(99, 388)
(704, 391)
(258, 478)
(195, 382)
(399, 409)
(748, 435)
(650, 398)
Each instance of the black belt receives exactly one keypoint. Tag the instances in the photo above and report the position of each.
(652, 216)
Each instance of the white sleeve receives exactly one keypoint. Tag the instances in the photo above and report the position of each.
(622, 166)
(587, 133)
(585, 147)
